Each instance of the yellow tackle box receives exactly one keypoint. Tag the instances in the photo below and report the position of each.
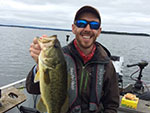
(129, 100)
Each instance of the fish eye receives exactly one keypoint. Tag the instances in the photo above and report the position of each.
(56, 45)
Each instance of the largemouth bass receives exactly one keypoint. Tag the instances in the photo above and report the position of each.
(52, 76)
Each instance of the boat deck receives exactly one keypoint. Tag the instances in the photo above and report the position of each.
(11, 97)
(11, 103)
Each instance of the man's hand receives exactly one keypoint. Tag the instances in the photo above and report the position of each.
(35, 49)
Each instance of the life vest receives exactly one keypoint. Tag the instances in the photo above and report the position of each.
(95, 92)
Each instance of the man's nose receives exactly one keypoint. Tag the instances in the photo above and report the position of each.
(87, 27)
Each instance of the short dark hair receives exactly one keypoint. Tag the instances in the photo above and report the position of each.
(87, 9)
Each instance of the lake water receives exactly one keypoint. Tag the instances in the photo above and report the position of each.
(15, 60)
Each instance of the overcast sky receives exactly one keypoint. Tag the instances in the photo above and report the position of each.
(117, 15)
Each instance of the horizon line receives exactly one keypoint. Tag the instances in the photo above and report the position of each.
(69, 30)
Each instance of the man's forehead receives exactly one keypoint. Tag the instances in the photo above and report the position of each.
(88, 14)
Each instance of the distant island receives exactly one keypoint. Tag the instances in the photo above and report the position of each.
(125, 33)
(104, 32)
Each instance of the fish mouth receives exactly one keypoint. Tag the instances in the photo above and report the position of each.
(47, 39)
(47, 42)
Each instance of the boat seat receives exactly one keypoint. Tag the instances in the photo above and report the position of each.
(145, 96)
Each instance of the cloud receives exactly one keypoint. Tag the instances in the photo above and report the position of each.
(116, 15)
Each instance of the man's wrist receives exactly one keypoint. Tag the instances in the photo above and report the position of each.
(35, 70)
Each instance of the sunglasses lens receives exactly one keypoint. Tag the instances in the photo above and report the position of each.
(81, 23)
(94, 25)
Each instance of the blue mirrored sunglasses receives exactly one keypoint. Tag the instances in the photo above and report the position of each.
(84, 23)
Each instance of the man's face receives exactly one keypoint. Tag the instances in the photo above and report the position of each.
(86, 36)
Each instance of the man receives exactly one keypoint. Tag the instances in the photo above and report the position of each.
(94, 85)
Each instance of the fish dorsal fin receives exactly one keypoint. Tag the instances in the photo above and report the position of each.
(37, 77)
(41, 106)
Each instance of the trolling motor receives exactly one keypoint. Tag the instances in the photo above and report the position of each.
(139, 85)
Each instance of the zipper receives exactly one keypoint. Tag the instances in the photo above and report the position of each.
(85, 73)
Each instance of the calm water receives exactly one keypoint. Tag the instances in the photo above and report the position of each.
(15, 60)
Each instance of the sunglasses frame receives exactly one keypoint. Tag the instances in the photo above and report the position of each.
(87, 22)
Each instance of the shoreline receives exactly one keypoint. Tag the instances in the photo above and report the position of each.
(57, 29)
(126, 33)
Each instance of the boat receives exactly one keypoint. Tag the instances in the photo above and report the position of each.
(15, 99)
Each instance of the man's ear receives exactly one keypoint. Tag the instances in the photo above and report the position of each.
(73, 28)
(99, 31)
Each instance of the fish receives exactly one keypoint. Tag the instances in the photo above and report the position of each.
(52, 76)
